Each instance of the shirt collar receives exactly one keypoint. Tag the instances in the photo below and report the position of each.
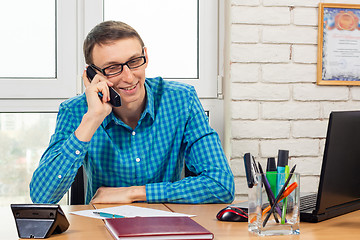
(148, 109)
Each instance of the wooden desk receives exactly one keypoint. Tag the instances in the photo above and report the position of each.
(145, 205)
(343, 227)
(205, 216)
(80, 227)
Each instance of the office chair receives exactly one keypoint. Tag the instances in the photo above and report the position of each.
(77, 190)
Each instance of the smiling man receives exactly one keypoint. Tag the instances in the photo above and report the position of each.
(135, 152)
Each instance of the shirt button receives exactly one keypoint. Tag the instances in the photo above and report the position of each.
(137, 159)
(133, 133)
(59, 176)
(77, 152)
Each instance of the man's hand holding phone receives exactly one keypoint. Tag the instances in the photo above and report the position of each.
(97, 95)
(114, 99)
(98, 108)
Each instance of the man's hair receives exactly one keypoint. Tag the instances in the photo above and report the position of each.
(106, 33)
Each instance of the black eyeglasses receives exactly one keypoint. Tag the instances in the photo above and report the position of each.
(117, 68)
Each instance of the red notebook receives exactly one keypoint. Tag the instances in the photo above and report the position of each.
(156, 228)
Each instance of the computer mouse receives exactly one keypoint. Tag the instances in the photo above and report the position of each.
(232, 214)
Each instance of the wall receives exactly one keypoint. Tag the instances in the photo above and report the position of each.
(275, 102)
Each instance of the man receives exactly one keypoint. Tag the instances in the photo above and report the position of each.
(135, 152)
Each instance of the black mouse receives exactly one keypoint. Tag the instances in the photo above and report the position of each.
(232, 214)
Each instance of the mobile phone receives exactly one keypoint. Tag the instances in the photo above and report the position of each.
(115, 99)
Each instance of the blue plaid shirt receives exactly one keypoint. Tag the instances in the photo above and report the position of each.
(173, 129)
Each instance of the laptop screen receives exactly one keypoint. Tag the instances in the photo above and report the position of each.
(340, 172)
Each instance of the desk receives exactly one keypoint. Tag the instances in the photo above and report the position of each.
(343, 227)
(80, 227)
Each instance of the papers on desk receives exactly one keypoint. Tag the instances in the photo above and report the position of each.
(130, 211)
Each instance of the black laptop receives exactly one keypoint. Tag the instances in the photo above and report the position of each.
(339, 187)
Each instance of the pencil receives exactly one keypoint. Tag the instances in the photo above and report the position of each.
(283, 215)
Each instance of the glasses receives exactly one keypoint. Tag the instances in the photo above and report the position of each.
(117, 68)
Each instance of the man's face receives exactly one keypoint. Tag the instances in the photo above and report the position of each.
(130, 82)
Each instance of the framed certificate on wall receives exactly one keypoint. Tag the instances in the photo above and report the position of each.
(338, 60)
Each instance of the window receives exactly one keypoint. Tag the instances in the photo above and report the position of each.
(42, 62)
(38, 54)
(38, 70)
(23, 139)
(30, 40)
(181, 36)
(172, 46)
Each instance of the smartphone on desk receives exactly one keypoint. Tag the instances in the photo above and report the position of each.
(115, 99)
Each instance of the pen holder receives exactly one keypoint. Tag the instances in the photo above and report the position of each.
(284, 217)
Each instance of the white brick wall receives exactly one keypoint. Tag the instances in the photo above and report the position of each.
(290, 110)
(275, 101)
(304, 3)
(289, 34)
(305, 16)
(246, 73)
(260, 15)
(260, 129)
(287, 73)
(260, 53)
(304, 54)
(260, 91)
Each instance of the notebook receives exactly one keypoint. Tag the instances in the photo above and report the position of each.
(154, 228)
(339, 186)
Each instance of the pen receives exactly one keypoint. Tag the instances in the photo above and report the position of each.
(271, 173)
(287, 170)
(279, 195)
(283, 157)
(286, 193)
(269, 192)
(108, 215)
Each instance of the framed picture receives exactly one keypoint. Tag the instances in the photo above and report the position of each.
(338, 60)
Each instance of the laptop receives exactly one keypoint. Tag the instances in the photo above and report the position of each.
(339, 186)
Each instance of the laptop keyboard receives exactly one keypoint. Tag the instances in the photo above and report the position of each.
(308, 202)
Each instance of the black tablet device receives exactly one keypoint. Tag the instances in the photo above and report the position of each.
(39, 220)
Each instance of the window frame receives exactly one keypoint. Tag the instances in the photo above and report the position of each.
(206, 84)
(74, 20)
(19, 90)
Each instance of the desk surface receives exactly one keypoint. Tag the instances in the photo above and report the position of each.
(343, 227)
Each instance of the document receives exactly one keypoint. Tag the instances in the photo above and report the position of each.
(341, 44)
(128, 211)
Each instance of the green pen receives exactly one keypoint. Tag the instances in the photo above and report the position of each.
(108, 215)
(283, 215)
(271, 174)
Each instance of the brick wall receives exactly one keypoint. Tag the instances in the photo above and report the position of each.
(275, 102)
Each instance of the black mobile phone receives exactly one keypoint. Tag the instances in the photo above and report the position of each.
(115, 99)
